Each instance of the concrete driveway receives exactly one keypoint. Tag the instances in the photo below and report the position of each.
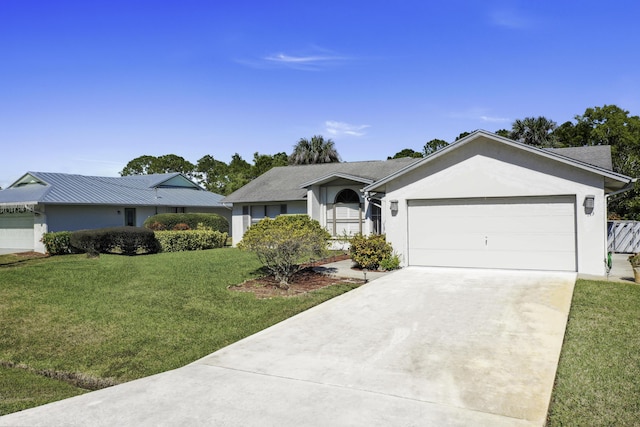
(421, 346)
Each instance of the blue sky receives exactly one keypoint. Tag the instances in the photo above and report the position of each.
(86, 86)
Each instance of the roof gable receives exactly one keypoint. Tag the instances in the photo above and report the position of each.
(27, 179)
(613, 181)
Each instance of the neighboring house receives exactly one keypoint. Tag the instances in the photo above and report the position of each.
(483, 201)
(41, 202)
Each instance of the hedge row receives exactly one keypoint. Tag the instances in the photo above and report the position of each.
(124, 240)
(190, 240)
(187, 221)
(59, 243)
(130, 241)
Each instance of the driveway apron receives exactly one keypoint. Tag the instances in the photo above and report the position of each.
(421, 346)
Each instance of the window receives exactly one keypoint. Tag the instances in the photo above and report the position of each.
(345, 214)
(376, 215)
(347, 196)
(176, 210)
(263, 211)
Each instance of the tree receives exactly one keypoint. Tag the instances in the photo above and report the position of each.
(313, 151)
(263, 162)
(611, 125)
(503, 133)
(462, 135)
(139, 166)
(406, 152)
(433, 146)
(238, 174)
(283, 244)
(537, 131)
(212, 174)
(145, 165)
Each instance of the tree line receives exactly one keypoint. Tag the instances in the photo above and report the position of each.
(222, 178)
(606, 125)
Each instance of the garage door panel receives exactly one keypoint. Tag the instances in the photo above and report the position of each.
(520, 233)
(16, 231)
(482, 259)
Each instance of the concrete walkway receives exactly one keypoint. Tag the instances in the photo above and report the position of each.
(420, 346)
(621, 270)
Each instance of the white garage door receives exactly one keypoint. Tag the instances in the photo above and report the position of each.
(16, 231)
(536, 233)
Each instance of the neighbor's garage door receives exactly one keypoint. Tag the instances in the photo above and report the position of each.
(535, 233)
(16, 231)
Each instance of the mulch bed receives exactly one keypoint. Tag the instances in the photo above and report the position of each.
(306, 280)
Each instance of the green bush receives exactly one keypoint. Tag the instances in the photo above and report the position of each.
(119, 240)
(369, 251)
(390, 263)
(284, 243)
(190, 240)
(169, 221)
(58, 243)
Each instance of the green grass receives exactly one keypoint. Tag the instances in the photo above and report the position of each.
(598, 379)
(113, 319)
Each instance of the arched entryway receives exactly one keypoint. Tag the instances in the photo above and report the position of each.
(345, 214)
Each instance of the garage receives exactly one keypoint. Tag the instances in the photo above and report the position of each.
(16, 231)
(532, 233)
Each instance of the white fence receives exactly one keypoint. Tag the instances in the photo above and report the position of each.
(623, 236)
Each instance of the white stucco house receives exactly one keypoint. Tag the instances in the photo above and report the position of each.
(483, 201)
(41, 202)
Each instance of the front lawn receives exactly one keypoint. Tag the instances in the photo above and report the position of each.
(598, 379)
(112, 319)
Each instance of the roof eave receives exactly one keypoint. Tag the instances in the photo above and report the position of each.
(330, 177)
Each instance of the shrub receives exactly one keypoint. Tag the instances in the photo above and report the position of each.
(390, 263)
(181, 226)
(284, 243)
(190, 240)
(634, 260)
(58, 243)
(123, 240)
(156, 226)
(209, 221)
(368, 252)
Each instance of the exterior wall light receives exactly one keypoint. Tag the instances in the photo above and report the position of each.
(394, 206)
(589, 204)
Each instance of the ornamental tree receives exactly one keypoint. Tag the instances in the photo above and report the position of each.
(283, 244)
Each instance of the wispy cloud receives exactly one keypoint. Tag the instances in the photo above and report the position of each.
(342, 128)
(509, 18)
(291, 59)
(480, 115)
(315, 60)
(490, 119)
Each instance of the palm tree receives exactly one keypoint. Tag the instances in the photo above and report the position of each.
(316, 150)
(536, 131)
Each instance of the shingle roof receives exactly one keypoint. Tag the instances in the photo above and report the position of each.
(138, 190)
(596, 155)
(285, 183)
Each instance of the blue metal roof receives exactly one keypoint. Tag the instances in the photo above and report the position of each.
(172, 189)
